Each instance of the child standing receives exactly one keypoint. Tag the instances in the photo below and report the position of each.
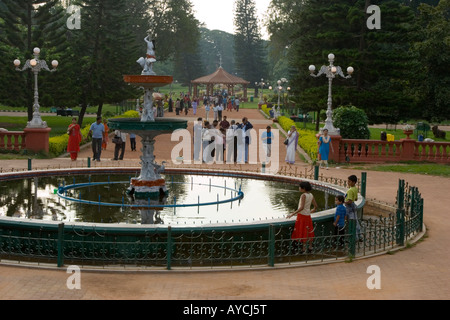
(304, 228)
(350, 198)
(339, 218)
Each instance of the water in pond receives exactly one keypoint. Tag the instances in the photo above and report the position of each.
(263, 200)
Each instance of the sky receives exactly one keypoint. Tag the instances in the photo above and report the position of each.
(218, 14)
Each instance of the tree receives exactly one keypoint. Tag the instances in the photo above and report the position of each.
(105, 50)
(381, 58)
(248, 46)
(352, 122)
(179, 39)
(26, 24)
(433, 47)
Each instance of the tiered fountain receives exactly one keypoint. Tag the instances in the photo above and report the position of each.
(149, 184)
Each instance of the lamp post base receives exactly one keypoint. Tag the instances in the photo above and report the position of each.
(36, 139)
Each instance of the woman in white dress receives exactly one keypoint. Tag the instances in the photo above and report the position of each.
(291, 147)
(240, 134)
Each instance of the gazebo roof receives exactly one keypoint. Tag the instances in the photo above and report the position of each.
(220, 77)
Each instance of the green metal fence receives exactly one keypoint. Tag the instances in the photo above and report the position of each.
(166, 248)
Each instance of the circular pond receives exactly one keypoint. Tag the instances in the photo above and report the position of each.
(194, 199)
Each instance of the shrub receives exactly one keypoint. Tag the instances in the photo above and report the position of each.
(58, 145)
(129, 114)
(352, 121)
(307, 140)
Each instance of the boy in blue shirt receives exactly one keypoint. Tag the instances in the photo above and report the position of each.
(339, 218)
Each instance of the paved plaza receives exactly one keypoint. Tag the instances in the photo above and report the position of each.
(420, 272)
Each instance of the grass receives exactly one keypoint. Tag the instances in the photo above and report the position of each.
(58, 124)
(432, 169)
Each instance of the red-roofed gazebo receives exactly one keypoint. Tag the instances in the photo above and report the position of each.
(220, 77)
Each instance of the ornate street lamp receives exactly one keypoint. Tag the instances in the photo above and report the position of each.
(330, 72)
(280, 88)
(36, 66)
(261, 84)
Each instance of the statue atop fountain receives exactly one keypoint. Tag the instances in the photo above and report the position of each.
(150, 58)
(149, 184)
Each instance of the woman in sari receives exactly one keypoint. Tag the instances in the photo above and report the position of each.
(75, 137)
(291, 147)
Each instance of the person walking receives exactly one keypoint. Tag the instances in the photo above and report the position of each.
(236, 103)
(197, 139)
(207, 109)
(247, 126)
(194, 106)
(96, 132)
(324, 148)
(266, 138)
(231, 139)
(75, 137)
(291, 146)
(120, 145)
(133, 141)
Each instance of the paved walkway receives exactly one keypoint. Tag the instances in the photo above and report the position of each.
(420, 273)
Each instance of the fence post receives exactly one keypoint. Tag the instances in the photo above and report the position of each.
(316, 173)
(352, 232)
(400, 236)
(29, 164)
(363, 189)
(60, 245)
(421, 215)
(271, 246)
(89, 162)
(401, 227)
(169, 248)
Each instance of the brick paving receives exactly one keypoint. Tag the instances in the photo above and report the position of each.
(417, 273)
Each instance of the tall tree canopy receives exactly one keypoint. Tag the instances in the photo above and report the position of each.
(26, 24)
(385, 61)
(250, 55)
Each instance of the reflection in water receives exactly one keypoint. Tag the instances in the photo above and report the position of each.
(263, 200)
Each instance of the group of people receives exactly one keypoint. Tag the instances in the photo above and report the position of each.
(216, 139)
(99, 132)
(217, 104)
(345, 210)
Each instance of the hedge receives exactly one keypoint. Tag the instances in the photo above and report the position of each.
(58, 145)
(307, 140)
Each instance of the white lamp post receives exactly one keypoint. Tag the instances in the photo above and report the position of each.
(330, 72)
(261, 84)
(36, 66)
(280, 88)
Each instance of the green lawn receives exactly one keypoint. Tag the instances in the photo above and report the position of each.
(442, 170)
(58, 124)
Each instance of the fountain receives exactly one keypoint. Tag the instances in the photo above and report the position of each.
(149, 184)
